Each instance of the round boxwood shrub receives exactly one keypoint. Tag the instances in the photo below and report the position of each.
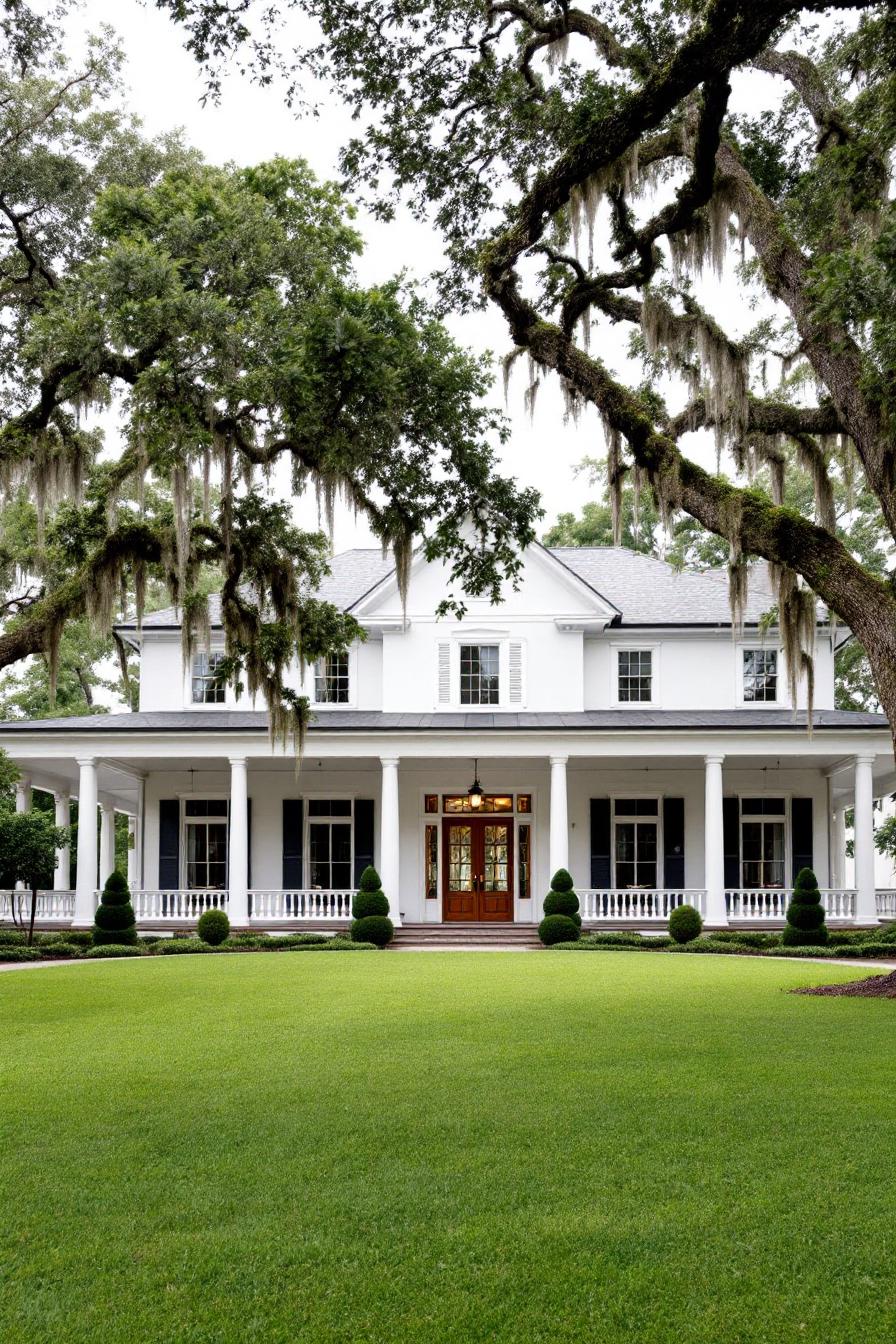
(561, 899)
(213, 927)
(370, 899)
(377, 929)
(685, 924)
(805, 914)
(555, 929)
(114, 921)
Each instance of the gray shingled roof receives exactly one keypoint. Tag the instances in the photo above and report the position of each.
(647, 591)
(188, 721)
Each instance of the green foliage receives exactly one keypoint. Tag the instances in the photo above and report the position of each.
(805, 914)
(376, 929)
(101, 950)
(62, 950)
(213, 927)
(75, 937)
(173, 947)
(114, 922)
(8, 952)
(745, 938)
(685, 924)
(28, 844)
(558, 929)
(562, 881)
(370, 900)
(563, 903)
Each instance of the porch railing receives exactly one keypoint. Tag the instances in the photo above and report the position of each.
(176, 904)
(51, 905)
(304, 903)
(599, 904)
(886, 904)
(771, 903)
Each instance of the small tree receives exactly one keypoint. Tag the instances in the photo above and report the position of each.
(371, 909)
(114, 921)
(562, 922)
(28, 844)
(805, 914)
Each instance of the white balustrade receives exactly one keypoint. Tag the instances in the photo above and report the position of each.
(761, 903)
(886, 904)
(304, 903)
(154, 905)
(51, 906)
(839, 903)
(599, 904)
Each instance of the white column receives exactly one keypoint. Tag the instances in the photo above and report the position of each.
(714, 843)
(85, 882)
(107, 842)
(390, 838)
(838, 847)
(23, 794)
(132, 852)
(238, 879)
(866, 897)
(559, 844)
(62, 877)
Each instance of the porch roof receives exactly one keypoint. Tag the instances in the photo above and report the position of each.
(355, 720)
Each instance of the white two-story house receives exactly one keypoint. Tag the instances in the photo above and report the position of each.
(603, 718)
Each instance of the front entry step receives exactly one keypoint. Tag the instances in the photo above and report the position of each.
(467, 934)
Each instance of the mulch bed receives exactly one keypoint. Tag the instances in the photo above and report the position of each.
(875, 987)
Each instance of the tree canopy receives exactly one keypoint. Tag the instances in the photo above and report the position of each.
(216, 310)
(592, 167)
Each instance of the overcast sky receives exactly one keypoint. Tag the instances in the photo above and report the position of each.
(250, 124)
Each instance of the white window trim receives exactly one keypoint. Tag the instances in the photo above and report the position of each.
(660, 839)
(229, 700)
(215, 796)
(518, 819)
(655, 701)
(328, 795)
(782, 701)
(311, 687)
(754, 816)
(503, 640)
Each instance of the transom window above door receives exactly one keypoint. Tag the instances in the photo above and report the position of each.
(635, 676)
(331, 680)
(206, 690)
(480, 677)
(760, 676)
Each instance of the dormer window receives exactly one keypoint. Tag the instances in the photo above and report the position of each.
(480, 679)
(635, 671)
(760, 676)
(207, 690)
(331, 680)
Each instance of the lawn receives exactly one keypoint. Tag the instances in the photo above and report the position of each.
(455, 1146)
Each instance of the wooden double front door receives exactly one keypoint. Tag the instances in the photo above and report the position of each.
(477, 879)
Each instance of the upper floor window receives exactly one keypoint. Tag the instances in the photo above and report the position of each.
(479, 674)
(331, 683)
(635, 676)
(760, 675)
(207, 690)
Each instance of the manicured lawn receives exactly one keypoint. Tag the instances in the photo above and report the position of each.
(433, 1147)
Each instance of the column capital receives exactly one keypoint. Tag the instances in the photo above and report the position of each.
(390, 760)
(61, 796)
(715, 758)
(558, 760)
(83, 761)
(865, 758)
(237, 761)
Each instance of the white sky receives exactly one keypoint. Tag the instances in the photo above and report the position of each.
(250, 124)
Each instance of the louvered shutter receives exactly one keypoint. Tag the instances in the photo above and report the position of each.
(292, 844)
(600, 843)
(169, 844)
(731, 841)
(673, 842)
(801, 834)
(363, 837)
(443, 687)
(515, 673)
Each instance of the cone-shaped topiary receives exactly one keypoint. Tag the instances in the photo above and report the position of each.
(561, 899)
(370, 909)
(370, 899)
(114, 921)
(685, 924)
(805, 914)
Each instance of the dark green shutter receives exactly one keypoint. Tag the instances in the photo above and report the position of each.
(801, 834)
(673, 842)
(731, 840)
(169, 844)
(601, 868)
(292, 844)
(363, 836)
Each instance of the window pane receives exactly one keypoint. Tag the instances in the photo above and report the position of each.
(479, 674)
(635, 675)
(331, 681)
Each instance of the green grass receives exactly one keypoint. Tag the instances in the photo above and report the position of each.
(435, 1147)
